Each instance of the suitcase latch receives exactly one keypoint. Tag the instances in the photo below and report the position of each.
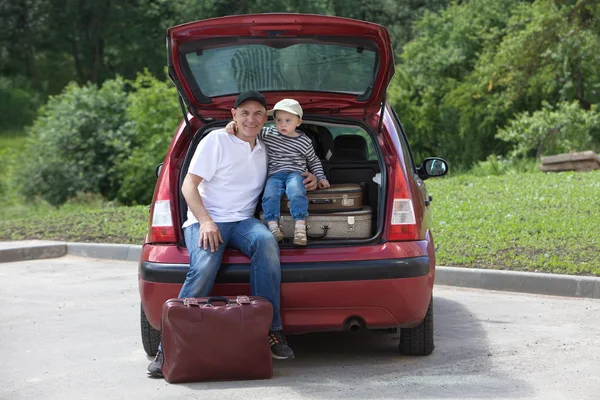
(190, 301)
(346, 202)
(351, 224)
(243, 300)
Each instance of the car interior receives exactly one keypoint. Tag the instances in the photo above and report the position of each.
(348, 155)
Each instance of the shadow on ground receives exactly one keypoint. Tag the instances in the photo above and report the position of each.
(368, 365)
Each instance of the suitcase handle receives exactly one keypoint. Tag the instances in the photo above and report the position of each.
(192, 301)
(216, 298)
(321, 236)
(321, 201)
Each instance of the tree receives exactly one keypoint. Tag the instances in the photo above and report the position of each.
(431, 72)
(54, 41)
(479, 63)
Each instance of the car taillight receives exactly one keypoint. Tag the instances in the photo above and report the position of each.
(403, 224)
(161, 227)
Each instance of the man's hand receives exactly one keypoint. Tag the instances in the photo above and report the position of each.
(231, 128)
(310, 183)
(210, 236)
(324, 184)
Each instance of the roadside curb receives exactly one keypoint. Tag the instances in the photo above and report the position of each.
(517, 281)
(487, 279)
(123, 252)
(31, 250)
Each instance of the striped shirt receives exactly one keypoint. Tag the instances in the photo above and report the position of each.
(290, 153)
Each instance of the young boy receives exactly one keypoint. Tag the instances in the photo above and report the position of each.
(290, 152)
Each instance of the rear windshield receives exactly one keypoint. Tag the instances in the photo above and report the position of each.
(316, 67)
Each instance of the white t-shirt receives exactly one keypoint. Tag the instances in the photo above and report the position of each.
(233, 176)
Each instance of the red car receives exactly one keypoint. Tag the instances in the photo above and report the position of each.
(339, 70)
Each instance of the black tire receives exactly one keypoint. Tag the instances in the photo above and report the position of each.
(418, 341)
(150, 336)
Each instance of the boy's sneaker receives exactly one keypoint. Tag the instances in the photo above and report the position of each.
(155, 367)
(279, 347)
(300, 235)
(276, 231)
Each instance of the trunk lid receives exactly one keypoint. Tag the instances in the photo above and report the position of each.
(331, 65)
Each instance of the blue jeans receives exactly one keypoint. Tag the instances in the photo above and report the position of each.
(291, 184)
(253, 239)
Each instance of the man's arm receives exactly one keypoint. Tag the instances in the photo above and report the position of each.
(210, 236)
(231, 128)
(310, 183)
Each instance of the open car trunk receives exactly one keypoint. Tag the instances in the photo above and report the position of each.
(350, 154)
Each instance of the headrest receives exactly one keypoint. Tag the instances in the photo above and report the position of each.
(322, 140)
(350, 148)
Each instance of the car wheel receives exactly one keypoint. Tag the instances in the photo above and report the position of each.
(150, 336)
(418, 341)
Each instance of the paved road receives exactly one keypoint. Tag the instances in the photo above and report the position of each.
(69, 329)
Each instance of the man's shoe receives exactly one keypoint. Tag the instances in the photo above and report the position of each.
(279, 347)
(155, 367)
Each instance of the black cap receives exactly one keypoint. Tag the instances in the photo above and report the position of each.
(250, 95)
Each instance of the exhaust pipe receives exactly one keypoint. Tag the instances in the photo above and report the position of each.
(354, 324)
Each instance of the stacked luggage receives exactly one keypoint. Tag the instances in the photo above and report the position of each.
(334, 213)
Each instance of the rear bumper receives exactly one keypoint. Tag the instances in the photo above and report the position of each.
(316, 296)
(299, 272)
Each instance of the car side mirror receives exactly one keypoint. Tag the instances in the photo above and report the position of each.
(158, 169)
(432, 167)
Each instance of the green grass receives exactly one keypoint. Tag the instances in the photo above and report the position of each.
(79, 223)
(12, 145)
(526, 222)
(521, 221)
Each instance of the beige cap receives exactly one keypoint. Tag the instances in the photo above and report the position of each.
(289, 105)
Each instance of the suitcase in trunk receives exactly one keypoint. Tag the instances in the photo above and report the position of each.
(340, 225)
(339, 197)
(216, 338)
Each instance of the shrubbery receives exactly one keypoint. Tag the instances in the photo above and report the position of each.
(100, 140)
(553, 130)
(498, 165)
(75, 142)
(19, 101)
(154, 112)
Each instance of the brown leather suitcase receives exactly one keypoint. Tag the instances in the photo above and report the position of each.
(340, 225)
(216, 338)
(339, 197)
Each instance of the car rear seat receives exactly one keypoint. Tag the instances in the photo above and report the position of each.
(321, 138)
(350, 148)
(350, 163)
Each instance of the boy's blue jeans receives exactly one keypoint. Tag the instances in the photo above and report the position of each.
(253, 239)
(291, 184)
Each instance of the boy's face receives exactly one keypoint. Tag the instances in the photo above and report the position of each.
(286, 122)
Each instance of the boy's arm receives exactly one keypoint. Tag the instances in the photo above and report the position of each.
(314, 164)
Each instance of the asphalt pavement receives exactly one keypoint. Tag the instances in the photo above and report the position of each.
(69, 329)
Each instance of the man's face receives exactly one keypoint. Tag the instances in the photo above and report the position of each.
(250, 117)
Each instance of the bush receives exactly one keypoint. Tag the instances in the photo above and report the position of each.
(75, 143)
(553, 130)
(498, 165)
(154, 112)
(19, 101)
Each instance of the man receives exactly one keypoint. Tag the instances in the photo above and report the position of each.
(222, 188)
